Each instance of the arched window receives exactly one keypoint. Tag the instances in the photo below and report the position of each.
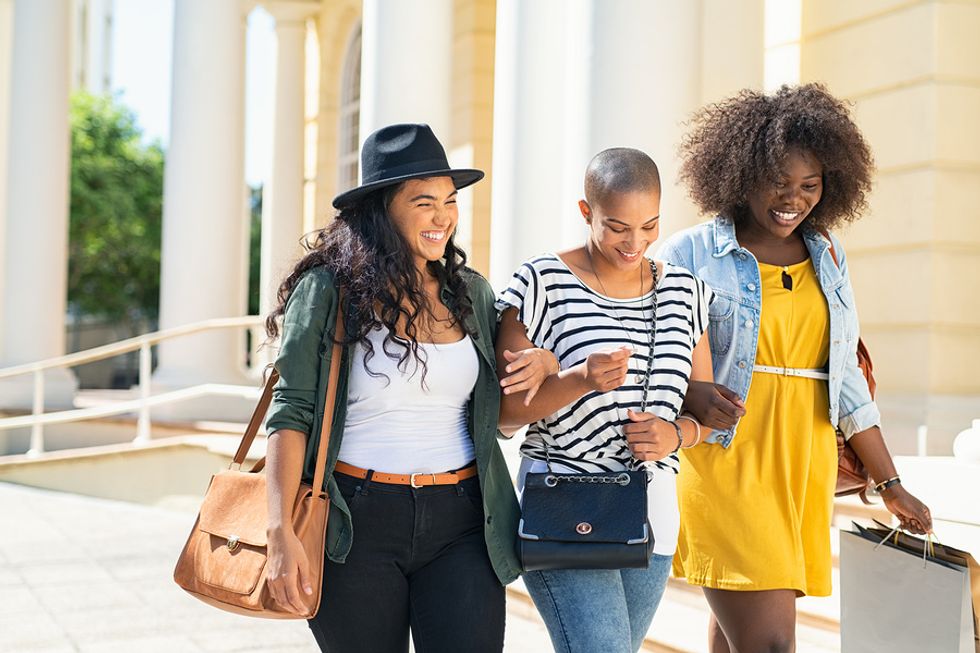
(350, 116)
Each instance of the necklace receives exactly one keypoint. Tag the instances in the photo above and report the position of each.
(641, 377)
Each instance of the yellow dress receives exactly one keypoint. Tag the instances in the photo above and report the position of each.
(756, 516)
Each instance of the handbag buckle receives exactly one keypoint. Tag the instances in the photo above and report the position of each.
(232, 543)
(550, 480)
(583, 528)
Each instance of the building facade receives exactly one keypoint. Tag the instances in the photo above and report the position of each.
(527, 90)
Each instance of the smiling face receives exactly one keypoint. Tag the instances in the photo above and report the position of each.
(623, 227)
(778, 209)
(424, 212)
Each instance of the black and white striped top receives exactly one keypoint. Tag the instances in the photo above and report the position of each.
(567, 317)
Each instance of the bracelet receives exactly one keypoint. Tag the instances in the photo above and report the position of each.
(697, 431)
(680, 436)
(884, 485)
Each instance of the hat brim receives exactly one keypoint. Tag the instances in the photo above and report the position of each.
(462, 177)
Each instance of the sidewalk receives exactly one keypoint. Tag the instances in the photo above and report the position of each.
(79, 574)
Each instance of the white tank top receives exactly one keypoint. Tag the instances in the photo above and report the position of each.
(398, 425)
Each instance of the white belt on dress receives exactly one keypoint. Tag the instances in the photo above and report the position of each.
(792, 371)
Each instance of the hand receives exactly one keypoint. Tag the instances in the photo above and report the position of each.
(527, 370)
(912, 514)
(715, 406)
(649, 437)
(288, 570)
(606, 370)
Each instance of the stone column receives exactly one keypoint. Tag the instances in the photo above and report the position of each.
(912, 72)
(204, 223)
(35, 255)
(282, 202)
(528, 133)
(406, 65)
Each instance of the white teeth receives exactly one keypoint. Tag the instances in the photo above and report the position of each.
(434, 235)
(788, 217)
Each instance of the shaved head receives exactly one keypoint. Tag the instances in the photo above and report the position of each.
(617, 171)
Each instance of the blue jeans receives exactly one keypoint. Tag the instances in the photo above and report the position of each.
(608, 610)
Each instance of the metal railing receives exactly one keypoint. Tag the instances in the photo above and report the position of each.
(38, 418)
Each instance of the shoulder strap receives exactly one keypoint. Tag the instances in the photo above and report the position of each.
(328, 408)
(331, 400)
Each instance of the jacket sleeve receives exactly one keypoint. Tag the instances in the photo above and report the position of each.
(858, 411)
(300, 353)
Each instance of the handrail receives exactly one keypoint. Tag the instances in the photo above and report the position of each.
(128, 406)
(37, 419)
(131, 344)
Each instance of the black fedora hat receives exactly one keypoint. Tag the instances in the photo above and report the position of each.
(397, 153)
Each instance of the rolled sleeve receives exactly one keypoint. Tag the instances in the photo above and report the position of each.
(858, 411)
(300, 353)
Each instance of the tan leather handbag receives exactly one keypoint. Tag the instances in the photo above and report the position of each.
(852, 477)
(224, 560)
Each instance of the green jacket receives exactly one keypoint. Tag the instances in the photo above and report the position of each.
(299, 397)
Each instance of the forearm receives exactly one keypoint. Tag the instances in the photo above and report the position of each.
(558, 391)
(284, 465)
(870, 447)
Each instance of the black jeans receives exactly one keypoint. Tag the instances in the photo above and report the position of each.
(419, 561)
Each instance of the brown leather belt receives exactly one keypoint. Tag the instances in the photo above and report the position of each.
(415, 480)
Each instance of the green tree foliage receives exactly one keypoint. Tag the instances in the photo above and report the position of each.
(116, 206)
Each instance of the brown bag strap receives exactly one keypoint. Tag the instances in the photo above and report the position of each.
(331, 400)
(328, 409)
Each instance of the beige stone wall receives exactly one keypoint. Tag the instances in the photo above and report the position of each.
(472, 116)
(912, 70)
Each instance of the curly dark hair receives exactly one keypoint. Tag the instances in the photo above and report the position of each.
(738, 145)
(371, 260)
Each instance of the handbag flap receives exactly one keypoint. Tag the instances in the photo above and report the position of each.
(576, 511)
(236, 506)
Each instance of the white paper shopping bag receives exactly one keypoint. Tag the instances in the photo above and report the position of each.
(897, 602)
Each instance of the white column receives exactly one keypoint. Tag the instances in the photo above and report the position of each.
(204, 224)
(406, 65)
(35, 255)
(282, 201)
(528, 133)
(732, 46)
(634, 77)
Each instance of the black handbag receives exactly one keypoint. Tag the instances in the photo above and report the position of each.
(585, 521)
(588, 521)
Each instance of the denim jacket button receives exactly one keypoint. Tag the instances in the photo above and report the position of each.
(751, 286)
(748, 324)
(741, 364)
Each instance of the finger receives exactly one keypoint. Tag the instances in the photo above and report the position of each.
(511, 355)
(519, 363)
(640, 417)
(530, 395)
(292, 593)
(516, 378)
(520, 387)
(305, 583)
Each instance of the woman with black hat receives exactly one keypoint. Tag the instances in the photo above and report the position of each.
(423, 514)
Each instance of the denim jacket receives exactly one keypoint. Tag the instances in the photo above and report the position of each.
(299, 397)
(710, 250)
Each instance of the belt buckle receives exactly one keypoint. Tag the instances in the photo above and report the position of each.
(411, 480)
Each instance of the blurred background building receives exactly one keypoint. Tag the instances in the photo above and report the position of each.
(527, 90)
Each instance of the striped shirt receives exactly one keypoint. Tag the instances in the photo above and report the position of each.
(565, 316)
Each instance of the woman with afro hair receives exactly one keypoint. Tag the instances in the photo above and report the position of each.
(778, 172)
